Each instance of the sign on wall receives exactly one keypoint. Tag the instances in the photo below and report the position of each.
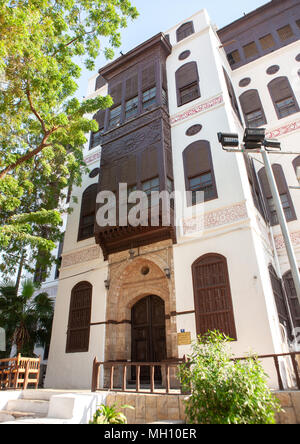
(184, 338)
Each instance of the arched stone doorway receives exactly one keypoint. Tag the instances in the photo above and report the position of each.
(148, 335)
(129, 284)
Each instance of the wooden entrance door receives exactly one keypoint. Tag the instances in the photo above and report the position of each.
(148, 335)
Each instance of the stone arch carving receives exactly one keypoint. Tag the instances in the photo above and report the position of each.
(128, 286)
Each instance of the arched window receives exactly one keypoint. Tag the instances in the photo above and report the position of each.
(280, 301)
(296, 165)
(252, 109)
(284, 192)
(199, 171)
(78, 336)
(233, 99)
(292, 298)
(184, 31)
(187, 83)
(87, 215)
(212, 295)
(283, 97)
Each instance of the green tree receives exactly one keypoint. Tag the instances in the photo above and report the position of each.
(26, 317)
(43, 125)
(224, 390)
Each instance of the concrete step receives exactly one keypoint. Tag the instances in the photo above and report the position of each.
(19, 415)
(37, 407)
(6, 416)
(41, 394)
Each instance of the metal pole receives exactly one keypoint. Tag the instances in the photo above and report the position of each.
(282, 222)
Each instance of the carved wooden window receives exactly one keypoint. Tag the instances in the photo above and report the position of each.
(115, 116)
(149, 77)
(280, 299)
(185, 31)
(252, 108)
(78, 335)
(283, 97)
(149, 98)
(233, 99)
(88, 210)
(267, 42)
(284, 192)
(292, 298)
(187, 83)
(131, 107)
(212, 295)
(131, 97)
(199, 172)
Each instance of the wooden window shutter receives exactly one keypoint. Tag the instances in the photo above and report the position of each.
(116, 94)
(149, 164)
(131, 87)
(250, 102)
(279, 299)
(281, 185)
(212, 295)
(148, 77)
(78, 336)
(187, 75)
(280, 89)
(184, 31)
(296, 163)
(232, 96)
(197, 160)
(292, 298)
(87, 215)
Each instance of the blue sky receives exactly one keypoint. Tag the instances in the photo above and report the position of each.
(160, 15)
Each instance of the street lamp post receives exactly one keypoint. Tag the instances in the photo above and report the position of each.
(255, 142)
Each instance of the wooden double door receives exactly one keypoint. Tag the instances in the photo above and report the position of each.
(148, 335)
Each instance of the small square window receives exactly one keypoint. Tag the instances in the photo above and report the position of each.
(250, 50)
(267, 42)
(285, 33)
(234, 57)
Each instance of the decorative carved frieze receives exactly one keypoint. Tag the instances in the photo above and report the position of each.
(201, 108)
(79, 257)
(286, 129)
(216, 218)
(279, 240)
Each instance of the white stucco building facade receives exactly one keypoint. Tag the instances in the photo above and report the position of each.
(218, 276)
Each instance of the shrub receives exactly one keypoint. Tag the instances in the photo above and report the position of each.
(110, 415)
(225, 391)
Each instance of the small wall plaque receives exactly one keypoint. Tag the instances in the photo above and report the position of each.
(184, 338)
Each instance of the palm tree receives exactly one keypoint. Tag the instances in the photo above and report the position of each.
(26, 317)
